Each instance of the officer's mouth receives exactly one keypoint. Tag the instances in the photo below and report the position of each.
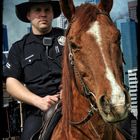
(43, 21)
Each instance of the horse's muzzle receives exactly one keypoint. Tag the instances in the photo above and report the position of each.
(113, 113)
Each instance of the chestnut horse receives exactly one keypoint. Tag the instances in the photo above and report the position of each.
(94, 97)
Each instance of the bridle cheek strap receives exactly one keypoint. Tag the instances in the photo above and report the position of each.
(86, 92)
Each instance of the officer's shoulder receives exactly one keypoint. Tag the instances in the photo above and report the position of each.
(21, 41)
(59, 30)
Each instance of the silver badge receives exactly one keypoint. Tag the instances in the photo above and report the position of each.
(61, 40)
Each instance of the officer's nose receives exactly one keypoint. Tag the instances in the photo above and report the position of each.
(43, 13)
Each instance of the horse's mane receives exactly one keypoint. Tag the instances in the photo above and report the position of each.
(67, 89)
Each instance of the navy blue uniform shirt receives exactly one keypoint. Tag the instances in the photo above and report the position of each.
(35, 64)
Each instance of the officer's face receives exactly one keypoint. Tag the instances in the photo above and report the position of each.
(41, 16)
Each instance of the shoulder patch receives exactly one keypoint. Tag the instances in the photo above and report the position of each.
(61, 40)
(8, 65)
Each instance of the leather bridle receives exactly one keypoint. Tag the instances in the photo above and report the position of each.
(86, 91)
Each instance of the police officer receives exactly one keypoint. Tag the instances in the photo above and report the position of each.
(33, 70)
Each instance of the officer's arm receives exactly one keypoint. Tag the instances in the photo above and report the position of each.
(16, 89)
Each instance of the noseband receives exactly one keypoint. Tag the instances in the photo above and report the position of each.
(86, 92)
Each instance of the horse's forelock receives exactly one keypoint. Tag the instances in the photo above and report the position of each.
(85, 14)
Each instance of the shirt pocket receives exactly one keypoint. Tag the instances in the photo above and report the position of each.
(31, 67)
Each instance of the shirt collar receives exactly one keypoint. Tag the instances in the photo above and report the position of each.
(37, 39)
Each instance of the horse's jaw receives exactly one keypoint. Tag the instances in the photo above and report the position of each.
(114, 113)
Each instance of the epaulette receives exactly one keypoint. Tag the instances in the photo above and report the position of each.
(59, 31)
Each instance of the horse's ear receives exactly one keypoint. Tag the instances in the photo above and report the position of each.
(105, 5)
(68, 8)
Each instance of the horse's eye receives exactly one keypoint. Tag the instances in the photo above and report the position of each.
(74, 46)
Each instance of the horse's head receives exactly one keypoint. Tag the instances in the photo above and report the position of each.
(92, 41)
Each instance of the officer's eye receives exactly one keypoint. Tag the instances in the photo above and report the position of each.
(47, 9)
(37, 9)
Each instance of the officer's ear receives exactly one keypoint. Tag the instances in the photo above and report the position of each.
(28, 16)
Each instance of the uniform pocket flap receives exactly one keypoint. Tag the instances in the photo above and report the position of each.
(31, 59)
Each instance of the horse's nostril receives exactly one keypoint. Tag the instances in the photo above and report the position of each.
(105, 104)
(107, 109)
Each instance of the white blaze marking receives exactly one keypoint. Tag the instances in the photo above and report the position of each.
(95, 31)
(118, 97)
